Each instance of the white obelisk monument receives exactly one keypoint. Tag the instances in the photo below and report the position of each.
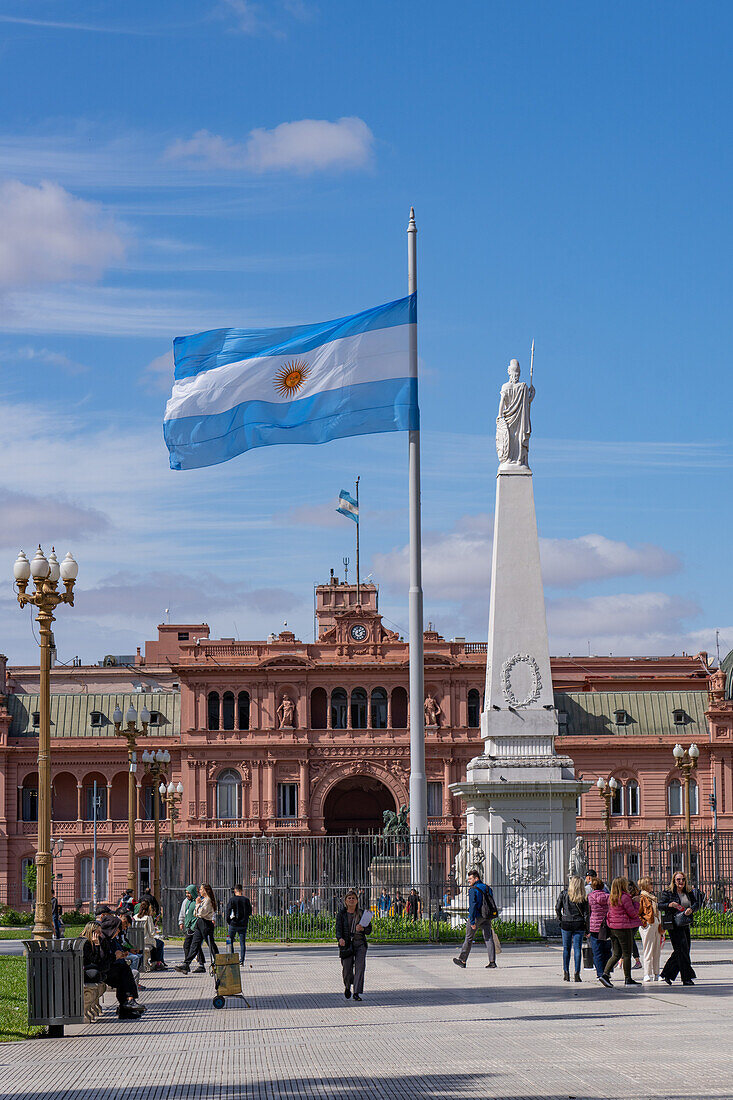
(519, 790)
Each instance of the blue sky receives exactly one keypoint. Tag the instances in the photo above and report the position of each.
(173, 167)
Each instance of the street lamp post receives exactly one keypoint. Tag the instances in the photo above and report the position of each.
(686, 761)
(131, 733)
(155, 763)
(607, 791)
(172, 796)
(46, 573)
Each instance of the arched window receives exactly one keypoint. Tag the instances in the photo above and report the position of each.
(227, 795)
(227, 710)
(88, 797)
(474, 709)
(399, 709)
(358, 709)
(674, 798)
(150, 792)
(693, 797)
(319, 708)
(339, 703)
(617, 801)
(632, 798)
(379, 709)
(243, 710)
(212, 710)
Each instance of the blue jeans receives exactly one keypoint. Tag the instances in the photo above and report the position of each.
(574, 940)
(601, 952)
(233, 932)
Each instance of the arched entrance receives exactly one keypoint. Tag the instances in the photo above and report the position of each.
(356, 805)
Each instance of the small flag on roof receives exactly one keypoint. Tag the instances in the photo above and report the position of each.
(348, 506)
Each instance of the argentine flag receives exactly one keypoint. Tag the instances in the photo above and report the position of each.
(348, 506)
(236, 389)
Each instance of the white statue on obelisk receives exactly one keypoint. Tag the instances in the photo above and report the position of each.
(513, 426)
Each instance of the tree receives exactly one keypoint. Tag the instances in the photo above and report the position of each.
(30, 878)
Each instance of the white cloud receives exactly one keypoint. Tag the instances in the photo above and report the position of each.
(308, 145)
(28, 354)
(28, 519)
(157, 376)
(626, 623)
(456, 564)
(253, 19)
(49, 236)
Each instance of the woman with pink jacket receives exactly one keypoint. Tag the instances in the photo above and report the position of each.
(622, 920)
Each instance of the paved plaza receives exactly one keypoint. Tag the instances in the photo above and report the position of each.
(425, 1029)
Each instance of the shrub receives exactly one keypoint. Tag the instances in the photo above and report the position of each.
(11, 918)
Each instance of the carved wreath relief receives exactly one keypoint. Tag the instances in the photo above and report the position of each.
(535, 688)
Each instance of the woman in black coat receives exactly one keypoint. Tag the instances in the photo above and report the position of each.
(353, 925)
(677, 906)
(102, 964)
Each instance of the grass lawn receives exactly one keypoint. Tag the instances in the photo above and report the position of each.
(14, 1001)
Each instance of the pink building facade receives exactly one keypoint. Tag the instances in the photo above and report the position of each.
(283, 737)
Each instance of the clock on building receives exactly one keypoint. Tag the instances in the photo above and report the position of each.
(358, 632)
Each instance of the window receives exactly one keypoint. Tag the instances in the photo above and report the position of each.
(36, 719)
(212, 710)
(435, 799)
(621, 717)
(29, 804)
(25, 894)
(674, 798)
(474, 709)
(617, 801)
(182, 635)
(632, 798)
(319, 708)
(287, 800)
(149, 790)
(101, 803)
(227, 710)
(358, 709)
(86, 885)
(338, 709)
(633, 866)
(379, 709)
(562, 720)
(680, 717)
(578, 805)
(96, 718)
(144, 873)
(399, 708)
(156, 718)
(243, 710)
(227, 795)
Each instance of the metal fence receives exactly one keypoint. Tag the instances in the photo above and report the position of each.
(296, 884)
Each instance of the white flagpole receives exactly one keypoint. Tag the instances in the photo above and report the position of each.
(418, 784)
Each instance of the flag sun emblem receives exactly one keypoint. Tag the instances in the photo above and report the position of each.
(291, 377)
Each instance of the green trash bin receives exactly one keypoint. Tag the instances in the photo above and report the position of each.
(55, 970)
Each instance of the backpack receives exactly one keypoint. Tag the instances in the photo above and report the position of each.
(488, 905)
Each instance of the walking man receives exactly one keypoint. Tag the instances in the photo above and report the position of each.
(239, 910)
(481, 911)
(187, 923)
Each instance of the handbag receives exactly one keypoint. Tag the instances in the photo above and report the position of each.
(603, 932)
(346, 952)
(682, 920)
(588, 963)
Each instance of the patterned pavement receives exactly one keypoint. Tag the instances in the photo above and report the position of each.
(425, 1029)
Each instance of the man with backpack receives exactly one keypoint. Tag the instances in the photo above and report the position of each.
(481, 911)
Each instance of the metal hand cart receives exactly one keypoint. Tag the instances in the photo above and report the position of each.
(227, 980)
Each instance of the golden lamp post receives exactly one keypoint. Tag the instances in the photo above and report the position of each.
(131, 733)
(155, 763)
(607, 791)
(172, 796)
(686, 761)
(46, 573)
